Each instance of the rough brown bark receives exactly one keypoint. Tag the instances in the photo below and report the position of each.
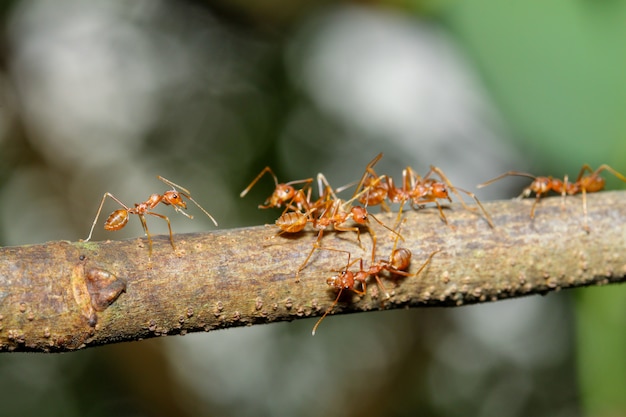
(62, 296)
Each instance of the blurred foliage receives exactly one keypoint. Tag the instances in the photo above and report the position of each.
(103, 96)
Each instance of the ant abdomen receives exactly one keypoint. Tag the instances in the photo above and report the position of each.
(117, 220)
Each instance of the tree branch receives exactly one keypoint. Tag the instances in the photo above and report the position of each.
(62, 296)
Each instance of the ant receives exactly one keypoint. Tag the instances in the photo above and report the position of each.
(427, 190)
(540, 186)
(336, 212)
(416, 189)
(377, 190)
(585, 183)
(295, 221)
(591, 183)
(284, 193)
(397, 264)
(119, 218)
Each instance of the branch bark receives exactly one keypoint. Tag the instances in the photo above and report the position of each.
(63, 296)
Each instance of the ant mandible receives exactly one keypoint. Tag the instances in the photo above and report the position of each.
(119, 218)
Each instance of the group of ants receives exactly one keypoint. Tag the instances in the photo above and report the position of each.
(300, 209)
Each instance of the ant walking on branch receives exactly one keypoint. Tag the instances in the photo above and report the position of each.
(397, 264)
(588, 181)
(174, 197)
(415, 189)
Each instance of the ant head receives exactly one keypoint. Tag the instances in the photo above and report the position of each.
(439, 190)
(541, 185)
(344, 280)
(332, 281)
(359, 214)
(174, 198)
(283, 193)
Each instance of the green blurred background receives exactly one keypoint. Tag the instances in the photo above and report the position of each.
(102, 96)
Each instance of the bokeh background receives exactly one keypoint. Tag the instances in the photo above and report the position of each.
(102, 96)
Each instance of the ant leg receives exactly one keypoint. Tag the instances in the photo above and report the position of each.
(398, 235)
(145, 229)
(586, 221)
(587, 168)
(425, 264)
(369, 170)
(326, 312)
(316, 245)
(443, 216)
(397, 223)
(566, 184)
(93, 225)
(258, 177)
(382, 286)
(348, 265)
(532, 210)
(374, 240)
(456, 190)
(473, 196)
(169, 226)
(355, 229)
(611, 170)
(324, 188)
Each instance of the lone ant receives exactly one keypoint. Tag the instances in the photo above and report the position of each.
(119, 218)
(540, 186)
(585, 183)
(397, 264)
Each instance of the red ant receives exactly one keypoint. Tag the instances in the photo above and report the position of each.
(295, 221)
(540, 186)
(397, 264)
(584, 184)
(416, 189)
(591, 183)
(377, 189)
(336, 212)
(119, 218)
(427, 190)
(284, 193)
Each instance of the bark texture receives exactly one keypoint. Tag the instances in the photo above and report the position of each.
(63, 296)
